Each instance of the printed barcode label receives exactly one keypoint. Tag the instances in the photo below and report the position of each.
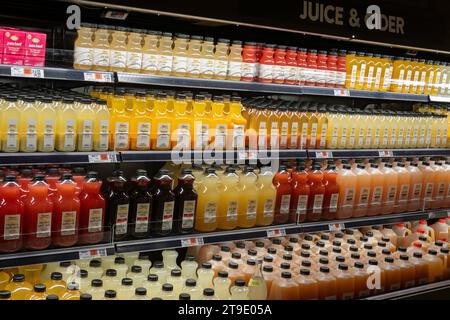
(92, 254)
(385, 153)
(102, 158)
(336, 227)
(324, 154)
(192, 242)
(341, 93)
(27, 72)
(97, 77)
(276, 233)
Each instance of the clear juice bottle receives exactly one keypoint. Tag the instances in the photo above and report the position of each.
(388, 68)
(208, 200)
(221, 59)
(101, 50)
(219, 123)
(239, 291)
(207, 58)
(361, 63)
(120, 123)
(9, 124)
(161, 124)
(379, 61)
(150, 54)
(85, 123)
(165, 54)
(46, 123)
(409, 71)
(248, 199)
(194, 57)
(237, 124)
(118, 50)
(222, 285)
(322, 128)
(430, 77)
(83, 47)
(28, 125)
(180, 55)
(228, 205)
(266, 198)
(235, 61)
(399, 74)
(140, 124)
(134, 51)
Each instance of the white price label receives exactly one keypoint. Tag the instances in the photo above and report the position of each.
(336, 227)
(27, 72)
(385, 153)
(252, 155)
(439, 99)
(98, 77)
(242, 155)
(192, 242)
(276, 233)
(433, 215)
(102, 158)
(324, 154)
(92, 254)
(341, 93)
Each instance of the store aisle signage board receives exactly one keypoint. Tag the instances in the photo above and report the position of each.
(27, 72)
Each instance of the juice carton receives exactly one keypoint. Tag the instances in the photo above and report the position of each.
(14, 42)
(35, 48)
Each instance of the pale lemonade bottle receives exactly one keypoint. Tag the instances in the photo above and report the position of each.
(266, 198)
(248, 199)
(194, 57)
(235, 61)
(180, 55)
(200, 123)
(9, 124)
(219, 123)
(85, 126)
(181, 123)
(207, 60)
(120, 123)
(161, 124)
(27, 125)
(229, 200)
(46, 124)
(436, 87)
(165, 54)
(222, 285)
(101, 126)
(83, 48)
(207, 203)
(423, 76)
(140, 124)
(387, 73)
(150, 54)
(19, 288)
(134, 51)
(221, 59)
(118, 50)
(101, 53)
(237, 124)
(66, 126)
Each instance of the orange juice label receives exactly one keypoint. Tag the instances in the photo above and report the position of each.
(334, 137)
(165, 63)
(163, 135)
(313, 137)
(142, 217)
(362, 74)
(404, 190)
(417, 190)
(268, 208)
(122, 131)
(251, 210)
(377, 193)
(232, 211)
(318, 203)
(188, 214)
(221, 135)
(408, 80)
(441, 190)
(238, 136)
(31, 137)
(334, 202)
(68, 223)
(429, 190)
(11, 229)
(184, 136)
(167, 220)
(118, 58)
(95, 220)
(364, 197)
(392, 191)
(122, 219)
(370, 76)
(262, 135)
(353, 76)
(323, 136)
(378, 78)
(274, 134)
(302, 204)
(210, 213)
(349, 197)
(44, 225)
(294, 134)
(284, 134)
(285, 203)
(415, 81)
(304, 135)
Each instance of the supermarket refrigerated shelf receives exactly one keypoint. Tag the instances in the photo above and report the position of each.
(376, 153)
(55, 255)
(58, 157)
(435, 291)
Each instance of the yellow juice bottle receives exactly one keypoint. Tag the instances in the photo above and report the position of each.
(9, 124)
(85, 126)
(129, 99)
(388, 69)
(362, 67)
(343, 129)
(378, 72)
(134, 51)
(313, 123)
(376, 130)
(398, 76)
(140, 123)
(194, 57)
(261, 121)
(366, 128)
(118, 50)
(438, 78)
(161, 127)
(83, 54)
(442, 90)
(200, 123)
(409, 130)
(66, 126)
(423, 76)
(221, 59)
(304, 121)
(182, 124)
(351, 132)
(46, 125)
(333, 128)
(359, 130)
(228, 204)
(120, 123)
(180, 55)
(101, 126)
(248, 199)
(400, 133)
(322, 128)
(294, 131)
(235, 61)
(101, 50)
(351, 66)
(274, 128)
(409, 70)
(415, 78)
(219, 123)
(28, 125)
(150, 54)
(422, 131)
(285, 125)
(384, 129)
(415, 132)
(370, 72)
(165, 54)
(266, 198)
(236, 124)
(207, 58)
(431, 75)
(207, 202)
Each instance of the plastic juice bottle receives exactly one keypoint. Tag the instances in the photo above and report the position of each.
(161, 124)
(120, 267)
(436, 85)
(101, 50)
(300, 195)
(326, 284)
(390, 188)
(118, 50)
(222, 285)
(182, 125)
(361, 63)
(140, 206)
(369, 76)
(331, 197)
(9, 124)
(282, 203)
(285, 289)
(150, 54)
(134, 51)
(219, 123)
(409, 70)
(163, 204)
(38, 293)
(303, 127)
(11, 216)
(435, 266)
(274, 128)
(316, 194)
(342, 131)
(428, 184)
(165, 54)
(351, 69)
(407, 270)
(312, 128)
(322, 128)
(239, 291)
(349, 140)
(415, 78)
(423, 68)
(200, 123)
(140, 124)
(207, 58)
(266, 198)
(228, 206)
(85, 121)
(189, 268)
(236, 124)
(347, 181)
(28, 125)
(248, 199)
(83, 47)
(46, 123)
(284, 123)
(430, 76)
(180, 55)
(19, 288)
(294, 128)
(345, 282)
(194, 57)
(205, 276)
(387, 73)
(120, 123)
(96, 289)
(377, 188)
(185, 202)
(94, 270)
(176, 280)
(208, 200)
(118, 203)
(56, 285)
(421, 268)
(399, 74)
(378, 60)
(126, 290)
(235, 61)
(404, 182)
(443, 86)
(221, 59)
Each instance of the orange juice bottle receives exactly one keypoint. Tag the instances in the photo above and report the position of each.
(294, 130)
(398, 76)
(248, 199)
(221, 59)
(370, 72)
(120, 123)
(313, 123)
(165, 54)
(101, 53)
(236, 124)
(387, 73)
(444, 79)
(347, 181)
(322, 128)
(150, 54)
(378, 72)
(362, 67)
(351, 70)
(201, 123)
(134, 51)
(415, 80)
(304, 120)
(422, 66)
(19, 288)
(207, 202)
(118, 50)
(140, 123)
(229, 200)
(181, 123)
(219, 123)
(363, 190)
(266, 198)
(431, 75)
(161, 124)
(409, 69)
(284, 126)
(343, 129)
(437, 78)
(83, 54)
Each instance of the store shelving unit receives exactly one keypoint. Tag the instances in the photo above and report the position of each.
(58, 157)
(434, 291)
(377, 153)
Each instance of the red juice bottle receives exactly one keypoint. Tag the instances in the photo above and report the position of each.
(330, 201)
(300, 194)
(266, 64)
(140, 206)
(92, 210)
(185, 203)
(38, 213)
(302, 64)
(249, 62)
(311, 68)
(341, 69)
(79, 174)
(26, 176)
(66, 212)
(163, 204)
(52, 179)
(282, 182)
(11, 216)
(322, 69)
(316, 194)
(291, 66)
(279, 69)
(118, 206)
(331, 80)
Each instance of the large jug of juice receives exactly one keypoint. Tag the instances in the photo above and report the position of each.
(163, 204)
(39, 210)
(134, 51)
(66, 213)
(101, 53)
(161, 124)
(11, 216)
(118, 205)
(182, 124)
(285, 289)
(27, 125)
(404, 181)
(229, 200)
(85, 122)
(316, 194)
(282, 182)
(9, 124)
(300, 194)
(208, 200)
(363, 190)
(389, 188)
(101, 126)
(83, 47)
(248, 199)
(66, 126)
(201, 123)
(266, 198)
(140, 123)
(46, 124)
(237, 124)
(219, 123)
(376, 187)
(118, 50)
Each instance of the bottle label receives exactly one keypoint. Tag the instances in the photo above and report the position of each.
(353, 76)
(101, 57)
(274, 134)
(334, 202)
(441, 191)
(268, 208)
(370, 76)
(376, 139)
(387, 78)
(294, 134)
(400, 81)
(378, 78)
(438, 79)
(284, 134)
(377, 194)
(142, 217)
(104, 135)
(334, 138)
(68, 223)
(122, 219)
(220, 68)
(49, 136)
(86, 135)
(385, 135)
(285, 203)
(364, 197)
(444, 83)
(302, 204)
(311, 75)
(221, 136)
(235, 69)
(278, 73)
(180, 64)
(31, 137)
(368, 135)
(122, 130)
(429, 190)
(323, 135)
(184, 136)
(163, 136)
(266, 71)
(423, 81)
(207, 67)
(167, 220)
(134, 60)
(438, 137)
(165, 63)
(361, 137)
(251, 210)
(150, 62)
(349, 197)
(352, 135)
(292, 73)
(11, 227)
(69, 135)
(232, 211)
(417, 190)
(393, 136)
(262, 135)
(313, 136)
(249, 70)
(118, 58)
(343, 136)
(238, 137)
(95, 220)
(304, 136)
(392, 191)
(408, 134)
(210, 212)
(83, 56)
(193, 66)
(143, 135)
(318, 203)
(187, 221)
(11, 136)
(415, 81)
(430, 82)
(408, 80)
(362, 74)
(201, 135)
(44, 225)
(404, 191)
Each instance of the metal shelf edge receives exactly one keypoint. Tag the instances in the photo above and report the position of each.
(412, 291)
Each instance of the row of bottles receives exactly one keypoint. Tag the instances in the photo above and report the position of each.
(46, 120)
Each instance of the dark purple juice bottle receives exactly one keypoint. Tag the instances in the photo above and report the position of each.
(140, 206)
(163, 204)
(118, 205)
(185, 203)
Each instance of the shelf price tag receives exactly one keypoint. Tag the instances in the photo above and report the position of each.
(439, 99)
(341, 93)
(252, 155)
(242, 155)
(336, 226)
(102, 158)
(385, 153)
(27, 72)
(276, 233)
(192, 242)
(92, 254)
(433, 215)
(97, 77)
(324, 154)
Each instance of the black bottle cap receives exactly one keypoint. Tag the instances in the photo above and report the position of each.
(97, 283)
(110, 294)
